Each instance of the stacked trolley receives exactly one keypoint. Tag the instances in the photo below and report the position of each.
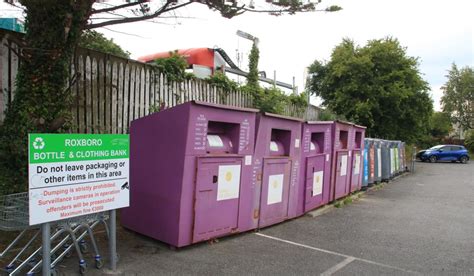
(24, 253)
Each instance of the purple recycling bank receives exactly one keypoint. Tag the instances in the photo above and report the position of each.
(357, 147)
(190, 173)
(341, 160)
(276, 168)
(315, 167)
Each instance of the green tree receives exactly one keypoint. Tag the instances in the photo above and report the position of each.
(458, 96)
(440, 125)
(271, 99)
(377, 86)
(94, 40)
(53, 29)
(252, 77)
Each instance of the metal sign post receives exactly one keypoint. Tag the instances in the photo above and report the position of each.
(113, 240)
(46, 248)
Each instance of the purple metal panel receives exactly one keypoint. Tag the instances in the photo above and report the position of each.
(356, 170)
(199, 119)
(342, 175)
(287, 131)
(275, 191)
(356, 147)
(315, 189)
(316, 155)
(341, 164)
(214, 216)
(156, 174)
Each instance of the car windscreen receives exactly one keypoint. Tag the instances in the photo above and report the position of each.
(435, 147)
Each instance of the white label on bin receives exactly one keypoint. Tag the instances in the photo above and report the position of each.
(343, 165)
(275, 189)
(228, 184)
(379, 164)
(273, 146)
(312, 146)
(318, 178)
(392, 161)
(297, 143)
(248, 160)
(350, 152)
(357, 164)
(327, 157)
(215, 141)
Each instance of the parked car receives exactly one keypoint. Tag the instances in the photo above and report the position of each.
(451, 153)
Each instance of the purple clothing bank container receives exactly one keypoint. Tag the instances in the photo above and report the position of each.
(341, 160)
(276, 168)
(191, 173)
(315, 167)
(357, 147)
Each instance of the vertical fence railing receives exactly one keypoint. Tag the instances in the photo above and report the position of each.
(109, 92)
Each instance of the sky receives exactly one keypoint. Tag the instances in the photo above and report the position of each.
(437, 32)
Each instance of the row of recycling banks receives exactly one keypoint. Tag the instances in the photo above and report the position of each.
(191, 173)
(383, 160)
(209, 171)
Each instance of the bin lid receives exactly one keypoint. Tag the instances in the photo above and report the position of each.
(359, 126)
(282, 117)
(245, 109)
(319, 122)
(344, 122)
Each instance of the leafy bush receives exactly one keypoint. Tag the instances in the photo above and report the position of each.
(174, 67)
(220, 80)
(300, 101)
(469, 141)
(427, 141)
(328, 115)
(271, 100)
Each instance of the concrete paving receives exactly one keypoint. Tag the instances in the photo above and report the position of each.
(421, 223)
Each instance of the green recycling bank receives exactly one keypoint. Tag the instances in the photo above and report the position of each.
(77, 174)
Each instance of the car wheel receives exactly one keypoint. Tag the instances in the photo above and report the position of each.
(463, 159)
(433, 159)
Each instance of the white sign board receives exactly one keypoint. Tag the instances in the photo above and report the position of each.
(76, 174)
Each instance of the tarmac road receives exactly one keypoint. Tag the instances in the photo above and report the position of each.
(421, 223)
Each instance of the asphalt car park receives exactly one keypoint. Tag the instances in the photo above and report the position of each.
(419, 223)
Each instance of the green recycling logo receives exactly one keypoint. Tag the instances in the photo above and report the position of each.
(38, 143)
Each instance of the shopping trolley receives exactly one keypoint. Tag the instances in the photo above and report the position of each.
(67, 235)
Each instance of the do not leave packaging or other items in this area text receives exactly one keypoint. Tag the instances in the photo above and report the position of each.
(77, 174)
